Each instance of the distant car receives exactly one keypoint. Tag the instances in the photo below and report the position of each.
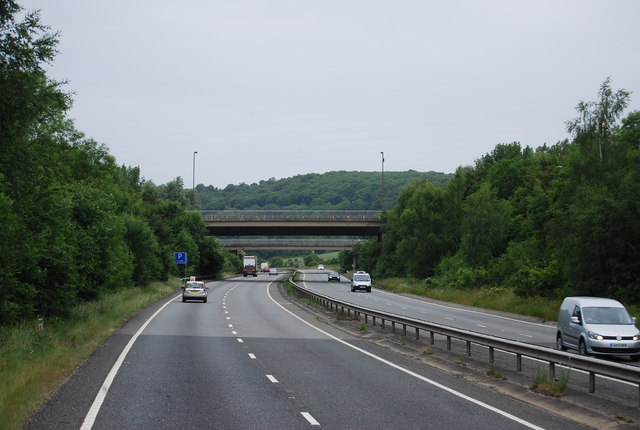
(273, 271)
(320, 267)
(266, 270)
(361, 281)
(194, 290)
(334, 276)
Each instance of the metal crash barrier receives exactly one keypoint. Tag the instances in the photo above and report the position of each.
(592, 366)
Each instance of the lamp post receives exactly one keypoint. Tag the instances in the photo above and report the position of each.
(193, 185)
(382, 184)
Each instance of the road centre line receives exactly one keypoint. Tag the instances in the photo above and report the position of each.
(409, 372)
(307, 416)
(272, 379)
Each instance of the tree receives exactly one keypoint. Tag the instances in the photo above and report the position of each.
(596, 119)
(311, 260)
(485, 226)
(418, 230)
(145, 250)
(74, 224)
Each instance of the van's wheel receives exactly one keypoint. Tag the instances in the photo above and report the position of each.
(559, 344)
(582, 347)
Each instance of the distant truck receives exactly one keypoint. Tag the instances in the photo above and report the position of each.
(249, 265)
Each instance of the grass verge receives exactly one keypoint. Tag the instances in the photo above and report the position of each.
(34, 362)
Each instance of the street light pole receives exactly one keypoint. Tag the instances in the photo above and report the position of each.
(193, 186)
(382, 184)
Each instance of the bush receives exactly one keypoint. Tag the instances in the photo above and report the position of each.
(452, 271)
(536, 281)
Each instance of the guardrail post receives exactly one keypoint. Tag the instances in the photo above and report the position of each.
(448, 343)
(366, 318)
(468, 349)
(373, 320)
(382, 324)
(404, 329)
(519, 362)
(552, 370)
(417, 333)
(592, 382)
(491, 355)
(432, 338)
(393, 326)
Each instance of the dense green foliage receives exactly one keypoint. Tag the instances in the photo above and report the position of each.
(74, 224)
(548, 222)
(328, 191)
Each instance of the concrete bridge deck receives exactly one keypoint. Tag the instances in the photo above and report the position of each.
(292, 223)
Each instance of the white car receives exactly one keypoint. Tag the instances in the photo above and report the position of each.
(320, 267)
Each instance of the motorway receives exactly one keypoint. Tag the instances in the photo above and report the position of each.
(249, 359)
(486, 322)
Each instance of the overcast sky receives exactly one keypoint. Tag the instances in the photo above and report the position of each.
(277, 88)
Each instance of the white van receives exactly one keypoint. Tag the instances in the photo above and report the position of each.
(361, 281)
(597, 326)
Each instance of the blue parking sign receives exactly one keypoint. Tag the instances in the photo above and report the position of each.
(180, 257)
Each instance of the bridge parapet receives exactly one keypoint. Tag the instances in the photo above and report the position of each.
(307, 244)
(231, 214)
(292, 223)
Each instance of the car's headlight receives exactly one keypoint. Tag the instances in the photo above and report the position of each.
(596, 336)
(636, 337)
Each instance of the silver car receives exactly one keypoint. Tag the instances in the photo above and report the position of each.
(597, 326)
(194, 290)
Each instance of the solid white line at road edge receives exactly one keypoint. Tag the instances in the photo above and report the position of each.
(90, 418)
(409, 372)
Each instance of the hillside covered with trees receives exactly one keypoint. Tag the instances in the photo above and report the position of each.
(553, 221)
(338, 190)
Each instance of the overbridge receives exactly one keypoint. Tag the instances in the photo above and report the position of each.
(229, 224)
(290, 244)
